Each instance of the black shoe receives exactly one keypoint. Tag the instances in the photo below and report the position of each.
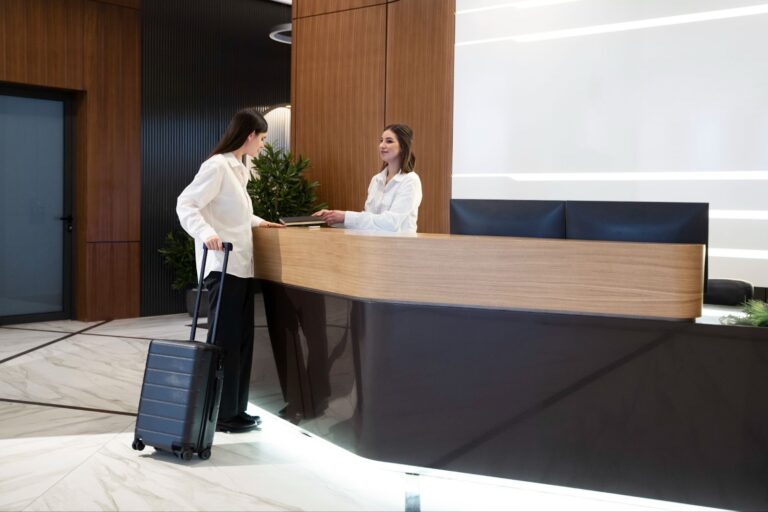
(256, 420)
(234, 425)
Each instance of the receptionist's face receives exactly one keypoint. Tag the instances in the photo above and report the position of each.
(389, 148)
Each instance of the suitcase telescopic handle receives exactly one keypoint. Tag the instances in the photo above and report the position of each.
(227, 248)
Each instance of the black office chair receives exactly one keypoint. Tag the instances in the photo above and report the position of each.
(728, 292)
(492, 217)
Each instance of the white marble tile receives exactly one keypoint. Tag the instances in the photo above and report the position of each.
(276, 468)
(119, 478)
(16, 341)
(97, 372)
(165, 327)
(272, 469)
(40, 445)
(54, 459)
(455, 491)
(55, 325)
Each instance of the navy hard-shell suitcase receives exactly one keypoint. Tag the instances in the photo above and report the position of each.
(182, 386)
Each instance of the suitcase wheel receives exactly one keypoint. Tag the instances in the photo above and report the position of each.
(185, 453)
(137, 444)
(205, 454)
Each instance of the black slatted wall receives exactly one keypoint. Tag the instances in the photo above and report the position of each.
(202, 60)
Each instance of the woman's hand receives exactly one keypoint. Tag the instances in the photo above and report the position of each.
(267, 224)
(214, 243)
(320, 213)
(332, 216)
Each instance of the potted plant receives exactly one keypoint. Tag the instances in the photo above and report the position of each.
(279, 189)
(755, 314)
(178, 253)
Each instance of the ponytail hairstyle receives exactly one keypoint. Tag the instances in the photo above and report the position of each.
(404, 135)
(244, 123)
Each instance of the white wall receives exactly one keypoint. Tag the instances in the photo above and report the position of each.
(675, 109)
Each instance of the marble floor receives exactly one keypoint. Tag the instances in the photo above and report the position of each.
(68, 397)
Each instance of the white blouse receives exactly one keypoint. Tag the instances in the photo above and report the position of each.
(392, 206)
(217, 203)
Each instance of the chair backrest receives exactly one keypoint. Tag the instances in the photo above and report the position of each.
(728, 292)
(489, 217)
(683, 223)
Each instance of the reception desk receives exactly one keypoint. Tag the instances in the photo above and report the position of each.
(557, 361)
(611, 278)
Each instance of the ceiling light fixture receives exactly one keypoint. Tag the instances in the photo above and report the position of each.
(281, 33)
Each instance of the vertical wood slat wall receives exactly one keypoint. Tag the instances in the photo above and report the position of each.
(202, 61)
(359, 65)
(93, 49)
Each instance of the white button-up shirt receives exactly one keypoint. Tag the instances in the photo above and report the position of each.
(392, 206)
(217, 203)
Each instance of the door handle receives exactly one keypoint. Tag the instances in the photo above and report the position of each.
(68, 219)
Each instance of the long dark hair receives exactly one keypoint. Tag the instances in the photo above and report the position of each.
(404, 135)
(245, 122)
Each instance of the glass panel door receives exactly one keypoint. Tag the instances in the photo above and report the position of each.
(35, 216)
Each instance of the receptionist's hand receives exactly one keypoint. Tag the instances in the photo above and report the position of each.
(333, 217)
(320, 213)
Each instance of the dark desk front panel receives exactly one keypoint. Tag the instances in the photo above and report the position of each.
(666, 410)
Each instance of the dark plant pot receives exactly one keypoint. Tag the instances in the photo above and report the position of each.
(190, 299)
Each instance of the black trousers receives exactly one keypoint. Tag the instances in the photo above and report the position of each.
(234, 334)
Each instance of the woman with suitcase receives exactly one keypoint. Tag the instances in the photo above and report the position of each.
(216, 207)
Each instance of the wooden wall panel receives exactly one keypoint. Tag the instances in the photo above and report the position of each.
(80, 206)
(338, 91)
(92, 47)
(112, 79)
(304, 8)
(338, 100)
(41, 42)
(420, 39)
(112, 281)
(133, 4)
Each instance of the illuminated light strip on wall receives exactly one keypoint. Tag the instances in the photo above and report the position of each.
(739, 214)
(627, 25)
(749, 254)
(525, 4)
(623, 176)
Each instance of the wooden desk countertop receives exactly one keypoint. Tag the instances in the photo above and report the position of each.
(574, 276)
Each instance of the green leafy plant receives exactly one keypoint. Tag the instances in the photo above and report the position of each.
(279, 189)
(756, 314)
(179, 254)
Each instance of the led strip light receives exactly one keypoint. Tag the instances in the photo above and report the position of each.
(627, 25)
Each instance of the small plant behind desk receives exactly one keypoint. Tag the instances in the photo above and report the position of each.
(178, 252)
(755, 314)
(279, 189)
